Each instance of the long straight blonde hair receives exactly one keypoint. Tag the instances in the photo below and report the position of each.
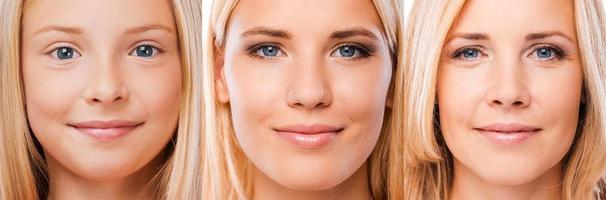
(233, 168)
(426, 164)
(22, 164)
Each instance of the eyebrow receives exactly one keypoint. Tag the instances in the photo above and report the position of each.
(267, 31)
(71, 30)
(146, 28)
(470, 36)
(357, 31)
(542, 35)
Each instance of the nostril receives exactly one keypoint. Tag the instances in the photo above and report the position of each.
(518, 103)
(497, 102)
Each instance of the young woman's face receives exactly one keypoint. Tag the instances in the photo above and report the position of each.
(102, 83)
(509, 89)
(307, 84)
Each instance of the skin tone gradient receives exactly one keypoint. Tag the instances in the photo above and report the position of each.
(307, 94)
(509, 93)
(102, 83)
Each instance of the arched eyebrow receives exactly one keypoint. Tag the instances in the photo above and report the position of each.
(469, 36)
(150, 27)
(267, 32)
(546, 34)
(71, 30)
(351, 32)
(77, 31)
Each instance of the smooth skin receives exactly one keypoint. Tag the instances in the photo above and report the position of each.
(102, 60)
(305, 63)
(513, 62)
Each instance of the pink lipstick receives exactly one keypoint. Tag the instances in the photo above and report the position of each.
(309, 136)
(106, 130)
(508, 134)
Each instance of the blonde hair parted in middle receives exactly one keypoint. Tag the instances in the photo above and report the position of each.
(234, 181)
(425, 161)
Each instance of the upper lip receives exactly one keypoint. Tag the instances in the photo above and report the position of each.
(508, 128)
(309, 129)
(106, 124)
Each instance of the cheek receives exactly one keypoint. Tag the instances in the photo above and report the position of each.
(254, 90)
(458, 96)
(159, 91)
(558, 98)
(49, 94)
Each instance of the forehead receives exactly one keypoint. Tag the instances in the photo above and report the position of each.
(97, 15)
(303, 17)
(516, 17)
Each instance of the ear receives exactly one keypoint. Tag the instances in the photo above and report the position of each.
(219, 75)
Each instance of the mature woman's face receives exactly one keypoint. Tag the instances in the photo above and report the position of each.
(307, 83)
(102, 83)
(509, 89)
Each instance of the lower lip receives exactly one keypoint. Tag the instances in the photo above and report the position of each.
(308, 141)
(106, 134)
(509, 138)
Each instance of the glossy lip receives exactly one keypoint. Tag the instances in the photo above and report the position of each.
(508, 134)
(105, 131)
(308, 136)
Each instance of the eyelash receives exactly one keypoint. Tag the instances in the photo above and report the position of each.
(252, 50)
(364, 51)
(155, 47)
(559, 53)
(458, 53)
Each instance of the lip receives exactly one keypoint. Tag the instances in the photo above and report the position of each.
(106, 130)
(309, 136)
(508, 134)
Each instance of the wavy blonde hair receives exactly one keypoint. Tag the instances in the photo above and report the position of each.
(233, 181)
(22, 164)
(425, 163)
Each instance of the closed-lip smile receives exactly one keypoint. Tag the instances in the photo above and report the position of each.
(106, 130)
(308, 136)
(508, 133)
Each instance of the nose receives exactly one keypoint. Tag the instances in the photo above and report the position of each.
(106, 86)
(509, 90)
(309, 88)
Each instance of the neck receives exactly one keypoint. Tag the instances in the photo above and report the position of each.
(468, 185)
(355, 187)
(65, 184)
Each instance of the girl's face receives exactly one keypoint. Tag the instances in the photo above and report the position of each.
(102, 83)
(509, 90)
(307, 83)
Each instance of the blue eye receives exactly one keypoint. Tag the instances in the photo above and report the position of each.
(544, 52)
(350, 51)
(145, 51)
(269, 51)
(65, 53)
(266, 51)
(470, 53)
(347, 51)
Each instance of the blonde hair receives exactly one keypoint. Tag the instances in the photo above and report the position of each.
(425, 162)
(234, 181)
(22, 165)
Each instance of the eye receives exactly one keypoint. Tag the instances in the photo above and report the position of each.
(547, 53)
(65, 53)
(266, 51)
(145, 51)
(350, 51)
(467, 53)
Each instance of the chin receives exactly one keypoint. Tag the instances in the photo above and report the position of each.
(309, 183)
(309, 177)
(509, 176)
